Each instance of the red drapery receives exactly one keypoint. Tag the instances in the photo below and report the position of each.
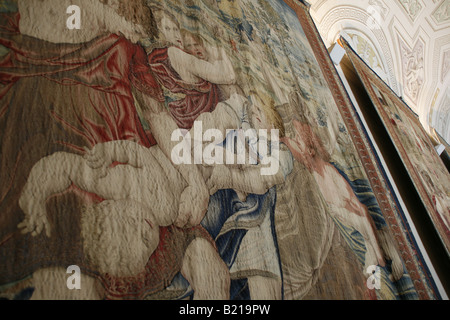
(63, 97)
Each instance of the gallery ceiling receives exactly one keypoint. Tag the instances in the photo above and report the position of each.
(406, 42)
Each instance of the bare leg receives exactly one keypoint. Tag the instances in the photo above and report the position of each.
(51, 284)
(49, 176)
(206, 271)
(55, 173)
(117, 237)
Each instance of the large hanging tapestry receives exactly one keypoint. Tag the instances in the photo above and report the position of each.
(424, 166)
(181, 149)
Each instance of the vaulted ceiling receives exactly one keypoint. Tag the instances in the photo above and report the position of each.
(406, 42)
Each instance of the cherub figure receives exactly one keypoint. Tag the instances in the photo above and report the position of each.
(136, 182)
(338, 194)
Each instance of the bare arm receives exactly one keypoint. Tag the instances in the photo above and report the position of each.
(123, 151)
(218, 72)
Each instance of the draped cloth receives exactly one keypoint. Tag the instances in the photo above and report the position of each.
(64, 97)
(200, 97)
(245, 236)
(228, 220)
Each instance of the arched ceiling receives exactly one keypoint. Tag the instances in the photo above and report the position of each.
(407, 42)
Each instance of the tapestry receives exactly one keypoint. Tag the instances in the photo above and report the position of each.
(415, 147)
(187, 149)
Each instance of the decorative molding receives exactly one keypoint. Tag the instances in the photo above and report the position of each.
(441, 46)
(411, 7)
(347, 15)
(410, 20)
(384, 10)
(442, 13)
(412, 68)
(441, 115)
(445, 65)
(368, 53)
